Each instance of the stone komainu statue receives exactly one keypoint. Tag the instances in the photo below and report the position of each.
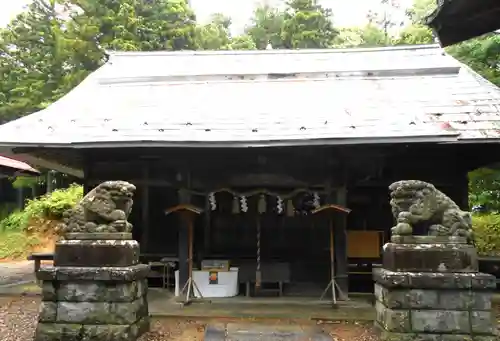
(417, 202)
(104, 209)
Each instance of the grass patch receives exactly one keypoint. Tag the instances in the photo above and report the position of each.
(17, 245)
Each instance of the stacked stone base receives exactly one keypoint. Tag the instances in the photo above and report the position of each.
(459, 310)
(453, 305)
(82, 303)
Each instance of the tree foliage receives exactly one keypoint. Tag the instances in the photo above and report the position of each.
(487, 234)
(482, 54)
(307, 25)
(367, 36)
(266, 27)
(33, 61)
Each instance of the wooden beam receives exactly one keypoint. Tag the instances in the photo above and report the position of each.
(44, 163)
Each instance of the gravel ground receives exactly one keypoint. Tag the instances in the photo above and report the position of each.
(18, 316)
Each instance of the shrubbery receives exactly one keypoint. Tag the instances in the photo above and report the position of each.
(487, 234)
(43, 211)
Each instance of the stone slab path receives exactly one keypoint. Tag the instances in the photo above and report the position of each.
(260, 332)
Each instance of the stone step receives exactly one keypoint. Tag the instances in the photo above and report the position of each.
(261, 332)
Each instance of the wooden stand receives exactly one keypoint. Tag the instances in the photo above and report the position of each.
(333, 283)
(188, 213)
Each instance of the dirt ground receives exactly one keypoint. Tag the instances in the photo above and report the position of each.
(18, 316)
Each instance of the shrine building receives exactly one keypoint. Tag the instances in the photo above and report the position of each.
(270, 149)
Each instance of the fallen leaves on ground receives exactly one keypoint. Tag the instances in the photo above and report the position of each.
(18, 318)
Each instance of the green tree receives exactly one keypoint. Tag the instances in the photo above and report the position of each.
(367, 36)
(43, 55)
(131, 25)
(307, 25)
(33, 61)
(420, 9)
(385, 17)
(481, 54)
(484, 188)
(242, 42)
(267, 25)
(414, 34)
(214, 35)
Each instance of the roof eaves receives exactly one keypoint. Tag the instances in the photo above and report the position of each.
(443, 138)
(454, 21)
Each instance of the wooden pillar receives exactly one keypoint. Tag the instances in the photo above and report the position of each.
(20, 198)
(145, 209)
(50, 181)
(463, 189)
(206, 228)
(87, 186)
(340, 245)
(183, 250)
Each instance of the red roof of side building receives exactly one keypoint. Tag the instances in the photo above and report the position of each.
(11, 166)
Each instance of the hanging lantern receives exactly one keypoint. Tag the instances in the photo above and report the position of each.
(316, 200)
(236, 205)
(290, 210)
(262, 204)
(279, 205)
(211, 201)
(244, 203)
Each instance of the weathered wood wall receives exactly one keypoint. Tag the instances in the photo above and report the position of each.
(364, 172)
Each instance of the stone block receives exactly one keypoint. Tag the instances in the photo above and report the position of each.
(393, 320)
(48, 291)
(440, 321)
(117, 274)
(107, 332)
(432, 280)
(423, 299)
(428, 240)
(388, 336)
(112, 332)
(430, 257)
(394, 299)
(481, 300)
(482, 322)
(486, 338)
(126, 313)
(58, 332)
(101, 312)
(47, 312)
(142, 287)
(98, 236)
(95, 253)
(88, 291)
(81, 292)
(84, 312)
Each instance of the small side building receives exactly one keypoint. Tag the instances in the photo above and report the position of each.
(259, 138)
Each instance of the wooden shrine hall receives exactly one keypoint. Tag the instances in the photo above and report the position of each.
(267, 172)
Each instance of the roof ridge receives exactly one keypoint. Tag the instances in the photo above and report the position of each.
(274, 51)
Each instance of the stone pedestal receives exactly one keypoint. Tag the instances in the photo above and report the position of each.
(429, 289)
(96, 290)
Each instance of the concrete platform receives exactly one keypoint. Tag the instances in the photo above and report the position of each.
(163, 304)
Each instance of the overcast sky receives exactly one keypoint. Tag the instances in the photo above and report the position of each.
(346, 12)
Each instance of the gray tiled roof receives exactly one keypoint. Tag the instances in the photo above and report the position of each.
(269, 97)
